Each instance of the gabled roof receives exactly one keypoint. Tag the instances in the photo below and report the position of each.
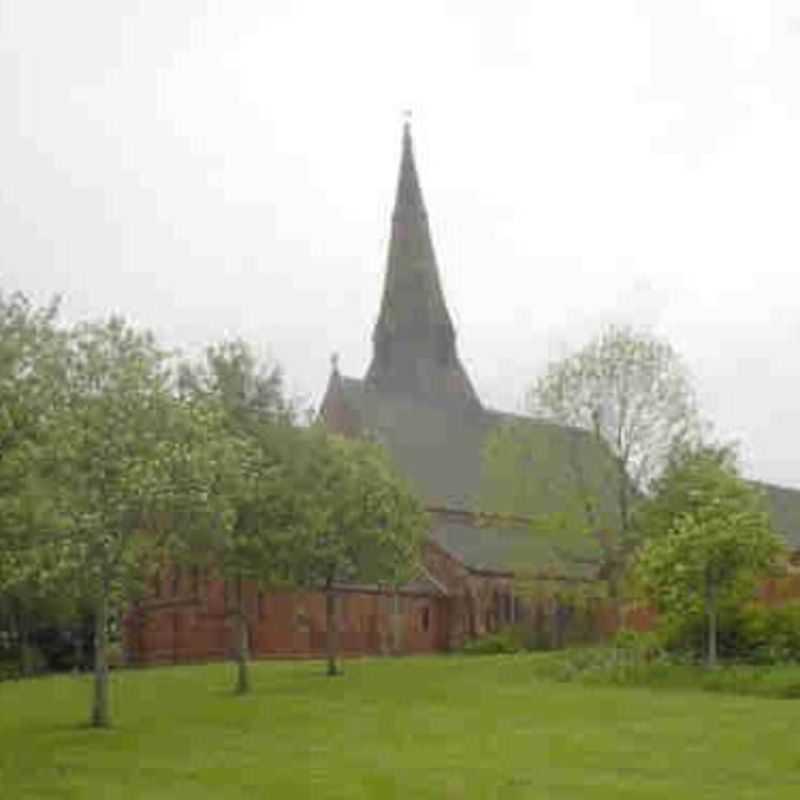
(441, 453)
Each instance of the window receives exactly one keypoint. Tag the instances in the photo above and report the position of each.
(426, 619)
(260, 605)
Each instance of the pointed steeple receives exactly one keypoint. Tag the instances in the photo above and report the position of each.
(414, 350)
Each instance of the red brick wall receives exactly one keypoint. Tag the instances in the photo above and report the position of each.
(184, 627)
(479, 601)
(777, 591)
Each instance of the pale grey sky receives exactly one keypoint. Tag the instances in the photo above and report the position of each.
(215, 169)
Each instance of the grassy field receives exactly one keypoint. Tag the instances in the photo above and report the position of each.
(418, 728)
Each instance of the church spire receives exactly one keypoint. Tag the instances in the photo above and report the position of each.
(414, 348)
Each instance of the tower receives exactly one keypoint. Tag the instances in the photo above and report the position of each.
(414, 342)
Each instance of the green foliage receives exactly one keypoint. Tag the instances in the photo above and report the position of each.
(32, 358)
(248, 399)
(561, 479)
(694, 477)
(118, 458)
(632, 391)
(357, 520)
(251, 391)
(770, 635)
(505, 641)
(258, 482)
(9, 667)
(709, 542)
(716, 555)
(118, 470)
(754, 634)
(645, 667)
(607, 419)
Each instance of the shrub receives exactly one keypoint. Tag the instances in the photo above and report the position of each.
(752, 634)
(505, 641)
(639, 646)
(770, 635)
(9, 667)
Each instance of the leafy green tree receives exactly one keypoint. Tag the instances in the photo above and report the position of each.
(125, 467)
(690, 478)
(357, 521)
(605, 421)
(709, 539)
(260, 487)
(252, 392)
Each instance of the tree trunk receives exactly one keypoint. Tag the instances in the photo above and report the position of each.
(25, 650)
(242, 644)
(332, 637)
(101, 717)
(397, 644)
(711, 615)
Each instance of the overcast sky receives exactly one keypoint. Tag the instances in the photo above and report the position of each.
(218, 169)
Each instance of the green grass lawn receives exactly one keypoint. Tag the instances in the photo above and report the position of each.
(450, 727)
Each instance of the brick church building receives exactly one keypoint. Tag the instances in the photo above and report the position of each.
(417, 399)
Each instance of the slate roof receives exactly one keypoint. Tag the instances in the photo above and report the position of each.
(507, 549)
(439, 449)
(783, 504)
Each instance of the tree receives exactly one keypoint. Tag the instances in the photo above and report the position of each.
(260, 490)
(356, 521)
(31, 390)
(606, 420)
(126, 467)
(709, 540)
(251, 392)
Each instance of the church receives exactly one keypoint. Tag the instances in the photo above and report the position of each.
(417, 400)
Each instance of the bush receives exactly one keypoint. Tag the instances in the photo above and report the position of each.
(638, 646)
(607, 666)
(770, 635)
(9, 667)
(32, 661)
(753, 634)
(505, 641)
